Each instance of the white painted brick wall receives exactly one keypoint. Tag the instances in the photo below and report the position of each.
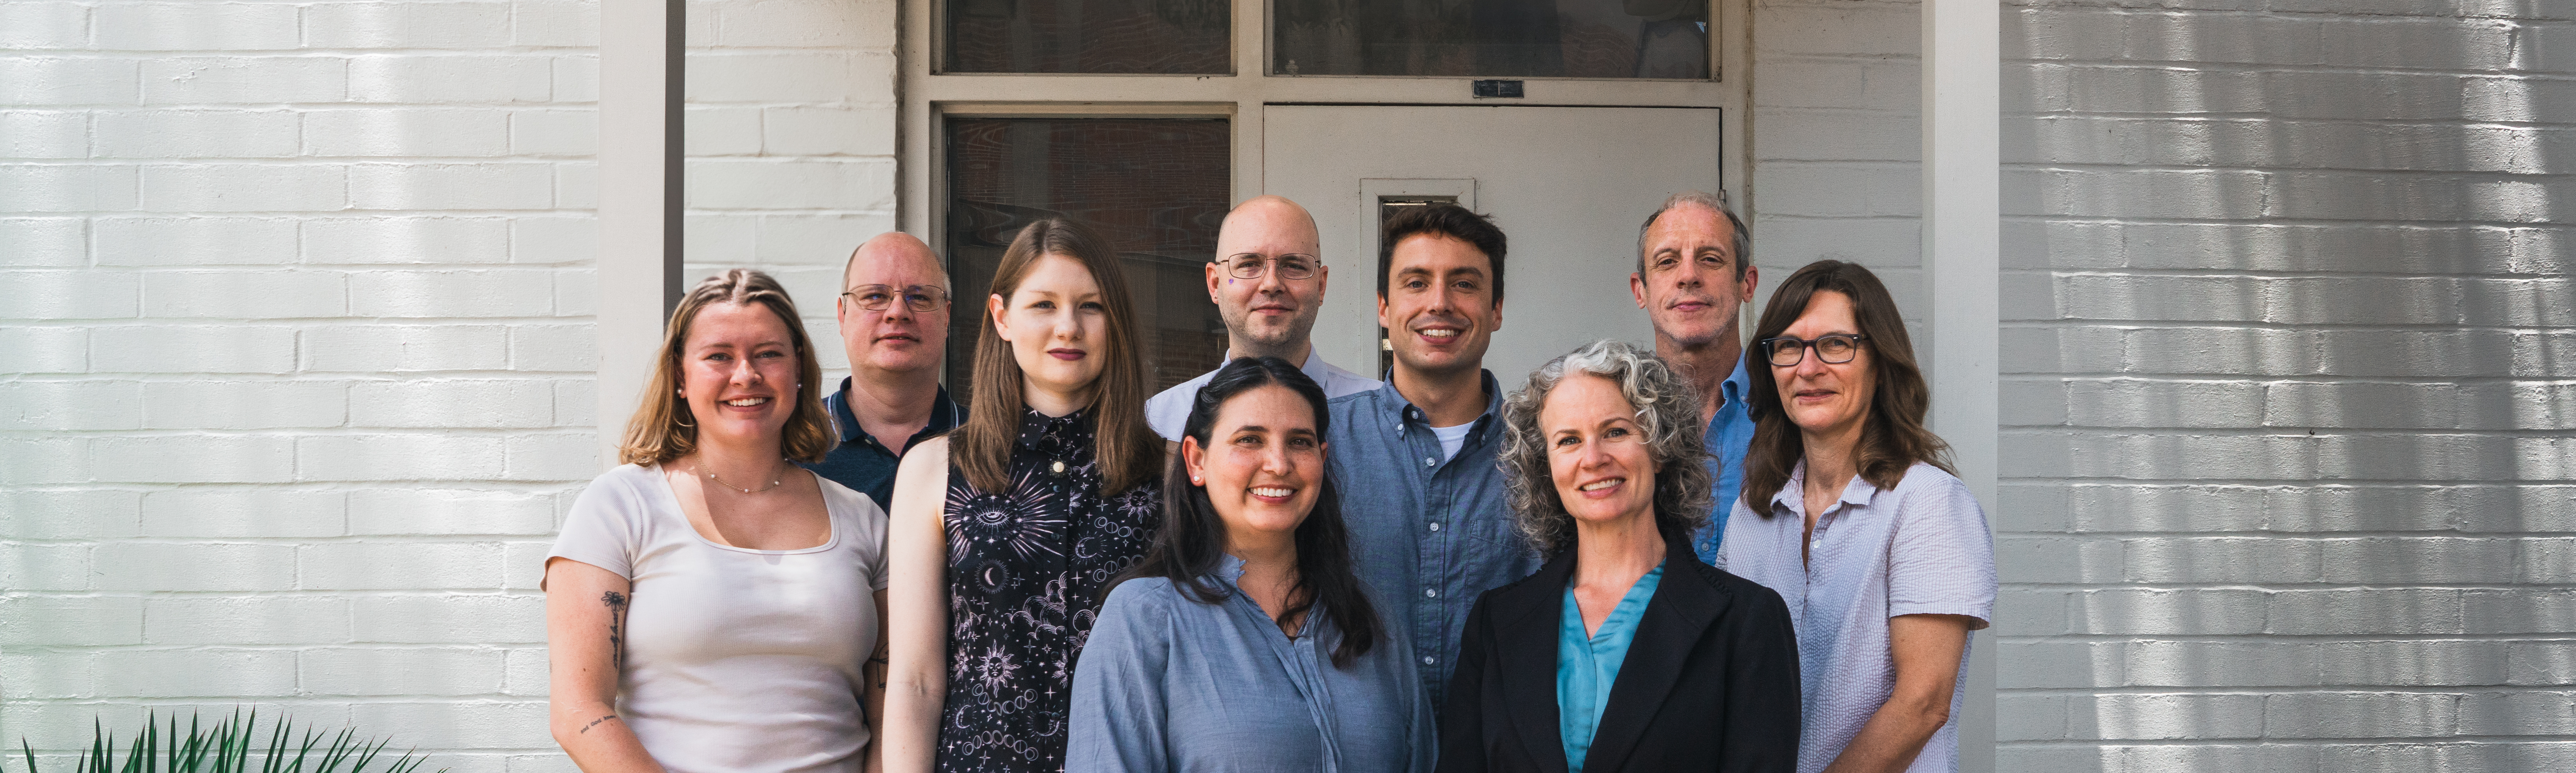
(299, 373)
(790, 142)
(1837, 148)
(2286, 469)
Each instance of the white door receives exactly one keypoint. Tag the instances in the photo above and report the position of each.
(1567, 185)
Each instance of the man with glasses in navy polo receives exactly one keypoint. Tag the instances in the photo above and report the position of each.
(1268, 283)
(1694, 275)
(893, 312)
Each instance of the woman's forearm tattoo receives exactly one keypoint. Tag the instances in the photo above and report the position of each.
(595, 722)
(616, 634)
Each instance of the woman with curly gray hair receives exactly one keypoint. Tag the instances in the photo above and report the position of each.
(1655, 661)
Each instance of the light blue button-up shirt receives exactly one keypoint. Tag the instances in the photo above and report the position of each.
(1429, 533)
(1170, 683)
(1730, 435)
(1920, 548)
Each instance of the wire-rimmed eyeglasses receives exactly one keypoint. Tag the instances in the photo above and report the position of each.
(1251, 265)
(922, 298)
(1832, 349)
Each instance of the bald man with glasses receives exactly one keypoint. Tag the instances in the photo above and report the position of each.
(1268, 283)
(893, 312)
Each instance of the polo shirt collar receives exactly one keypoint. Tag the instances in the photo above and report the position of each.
(845, 422)
(1857, 493)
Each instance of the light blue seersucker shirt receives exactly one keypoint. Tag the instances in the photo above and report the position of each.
(1920, 548)
(1168, 683)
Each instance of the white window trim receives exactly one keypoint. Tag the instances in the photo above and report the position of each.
(1242, 97)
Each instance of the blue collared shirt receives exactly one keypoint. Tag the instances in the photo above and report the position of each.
(1428, 534)
(1587, 663)
(1171, 683)
(865, 465)
(1730, 435)
(1169, 410)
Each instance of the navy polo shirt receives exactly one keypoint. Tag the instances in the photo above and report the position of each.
(865, 465)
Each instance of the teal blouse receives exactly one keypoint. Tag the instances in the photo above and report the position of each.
(1587, 666)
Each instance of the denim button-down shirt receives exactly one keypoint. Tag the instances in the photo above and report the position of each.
(1428, 534)
(1730, 434)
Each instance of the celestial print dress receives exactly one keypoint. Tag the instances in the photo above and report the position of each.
(1026, 572)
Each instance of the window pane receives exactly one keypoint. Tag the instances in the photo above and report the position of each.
(1492, 38)
(1089, 36)
(1156, 189)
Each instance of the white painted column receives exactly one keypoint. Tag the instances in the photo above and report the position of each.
(1962, 224)
(638, 205)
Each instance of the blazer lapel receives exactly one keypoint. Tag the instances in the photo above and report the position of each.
(1684, 604)
(1526, 647)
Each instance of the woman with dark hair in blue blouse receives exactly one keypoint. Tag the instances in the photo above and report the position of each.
(1243, 641)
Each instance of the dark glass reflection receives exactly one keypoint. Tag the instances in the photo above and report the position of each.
(1089, 36)
(1491, 38)
(1156, 189)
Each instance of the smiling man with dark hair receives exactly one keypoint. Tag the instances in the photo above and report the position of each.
(1430, 529)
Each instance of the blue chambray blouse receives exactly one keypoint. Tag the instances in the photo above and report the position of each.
(1168, 683)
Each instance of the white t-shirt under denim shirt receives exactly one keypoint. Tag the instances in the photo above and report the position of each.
(736, 659)
(1451, 438)
(1919, 548)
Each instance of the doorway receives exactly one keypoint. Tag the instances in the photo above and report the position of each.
(1569, 187)
(1566, 120)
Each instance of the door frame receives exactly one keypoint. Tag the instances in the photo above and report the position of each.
(929, 97)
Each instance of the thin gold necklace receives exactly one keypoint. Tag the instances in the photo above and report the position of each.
(702, 467)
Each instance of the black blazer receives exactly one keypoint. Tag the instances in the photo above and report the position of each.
(1710, 682)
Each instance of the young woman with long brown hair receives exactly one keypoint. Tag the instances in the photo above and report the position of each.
(1007, 532)
(710, 606)
(1851, 512)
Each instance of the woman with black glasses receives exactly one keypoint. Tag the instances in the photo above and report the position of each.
(1851, 512)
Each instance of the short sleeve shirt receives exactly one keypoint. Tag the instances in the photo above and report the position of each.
(1919, 549)
(735, 659)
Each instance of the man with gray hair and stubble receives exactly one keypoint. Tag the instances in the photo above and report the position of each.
(1694, 274)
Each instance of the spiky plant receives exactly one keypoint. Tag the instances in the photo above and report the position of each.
(227, 747)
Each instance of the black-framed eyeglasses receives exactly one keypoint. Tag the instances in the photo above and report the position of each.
(922, 298)
(1833, 349)
(1251, 265)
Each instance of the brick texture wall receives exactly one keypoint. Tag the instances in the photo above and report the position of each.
(1837, 141)
(299, 366)
(298, 362)
(2287, 455)
(791, 142)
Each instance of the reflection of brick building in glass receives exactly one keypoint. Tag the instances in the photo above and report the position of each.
(1156, 189)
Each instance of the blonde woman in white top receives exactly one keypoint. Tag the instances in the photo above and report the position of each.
(711, 606)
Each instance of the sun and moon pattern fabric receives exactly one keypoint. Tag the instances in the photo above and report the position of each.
(1026, 572)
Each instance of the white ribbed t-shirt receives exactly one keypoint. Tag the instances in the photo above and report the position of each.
(736, 659)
